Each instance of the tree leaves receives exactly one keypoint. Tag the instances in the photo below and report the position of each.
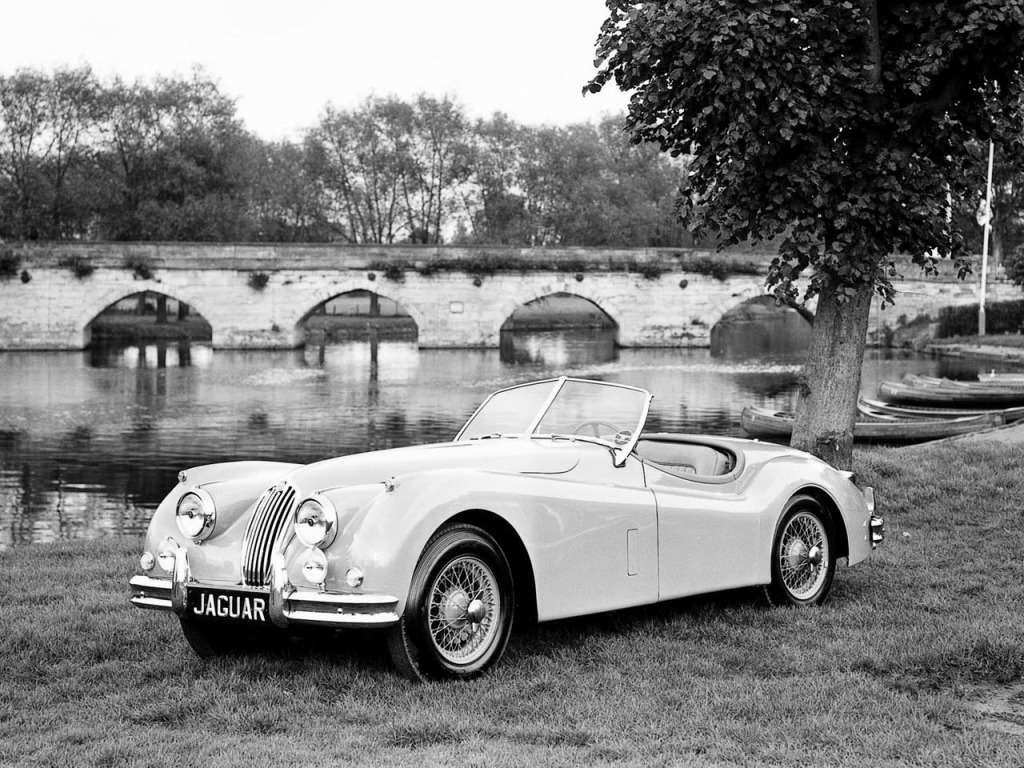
(799, 133)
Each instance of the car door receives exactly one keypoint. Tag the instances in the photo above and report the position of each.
(707, 535)
(594, 536)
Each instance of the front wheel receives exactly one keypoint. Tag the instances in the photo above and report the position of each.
(803, 555)
(458, 617)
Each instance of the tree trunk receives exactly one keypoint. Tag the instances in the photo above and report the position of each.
(830, 383)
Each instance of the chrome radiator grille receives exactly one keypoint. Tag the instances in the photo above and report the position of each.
(273, 512)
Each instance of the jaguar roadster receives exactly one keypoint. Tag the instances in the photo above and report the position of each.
(550, 502)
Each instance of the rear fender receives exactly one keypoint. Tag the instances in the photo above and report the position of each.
(778, 480)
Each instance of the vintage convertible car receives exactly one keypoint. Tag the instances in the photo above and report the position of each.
(551, 502)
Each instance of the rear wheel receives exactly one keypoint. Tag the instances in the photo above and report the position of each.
(803, 555)
(458, 617)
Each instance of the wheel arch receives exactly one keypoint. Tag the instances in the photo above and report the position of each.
(828, 503)
(515, 551)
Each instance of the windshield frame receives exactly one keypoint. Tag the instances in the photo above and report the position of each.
(620, 452)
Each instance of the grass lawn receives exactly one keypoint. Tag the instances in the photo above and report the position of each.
(896, 669)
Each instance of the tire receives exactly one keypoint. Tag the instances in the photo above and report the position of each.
(209, 639)
(803, 555)
(458, 617)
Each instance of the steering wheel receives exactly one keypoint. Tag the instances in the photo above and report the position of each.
(594, 424)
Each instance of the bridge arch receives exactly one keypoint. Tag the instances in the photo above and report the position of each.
(740, 295)
(761, 327)
(365, 288)
(557, 310)
(388, 314)
(103, 316)
(531, 294)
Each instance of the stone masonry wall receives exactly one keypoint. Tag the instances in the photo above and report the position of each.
(672, 306)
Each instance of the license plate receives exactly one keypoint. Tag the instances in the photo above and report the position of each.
(227, 605)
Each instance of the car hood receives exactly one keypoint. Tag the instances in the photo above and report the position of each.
(506, 455)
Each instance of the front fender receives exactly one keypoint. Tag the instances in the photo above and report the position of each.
(387, 535)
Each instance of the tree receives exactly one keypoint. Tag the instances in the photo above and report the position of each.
(173, 155)
(439, 163)
(833, 127)
(44, 124)
(361, 162)
(493, 201)
(284, 203)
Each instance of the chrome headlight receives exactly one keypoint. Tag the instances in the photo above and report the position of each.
(196, 514)
(316, 522)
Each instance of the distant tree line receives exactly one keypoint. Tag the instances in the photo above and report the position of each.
(171, 161)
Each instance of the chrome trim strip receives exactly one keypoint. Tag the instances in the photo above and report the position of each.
(353, 600)
(622, 453)
(542, 412)
(344, 619)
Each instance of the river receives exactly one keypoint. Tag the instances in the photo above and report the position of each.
(91, 441)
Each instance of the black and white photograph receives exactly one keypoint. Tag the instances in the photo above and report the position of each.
(585, 383)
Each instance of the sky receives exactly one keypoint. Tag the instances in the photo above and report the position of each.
(283, 61)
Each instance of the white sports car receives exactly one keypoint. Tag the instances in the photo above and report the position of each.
(551, 502)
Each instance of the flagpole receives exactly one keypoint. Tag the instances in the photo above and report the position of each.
(984, 246)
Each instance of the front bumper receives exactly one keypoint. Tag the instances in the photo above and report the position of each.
(876, 525)
(286, 604)
(877, 531)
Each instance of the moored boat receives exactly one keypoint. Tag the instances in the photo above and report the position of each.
(962, 394)
(763, 422)
(1016, 379)
(881, 410)
(988, 382)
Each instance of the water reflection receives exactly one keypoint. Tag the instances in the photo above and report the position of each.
(90, 442)
(761, 329)
(152, 354)
(558, 348)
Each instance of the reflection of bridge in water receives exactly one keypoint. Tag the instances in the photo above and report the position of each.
(272, 296)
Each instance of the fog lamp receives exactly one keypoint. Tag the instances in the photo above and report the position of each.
(196, 514)
(147, 562)
(314, 568)
(316, 522)
(166, 554)
(354, 577)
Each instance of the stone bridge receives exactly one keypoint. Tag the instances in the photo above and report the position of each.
(458, 297)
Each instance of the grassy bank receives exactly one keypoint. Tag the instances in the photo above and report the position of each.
(893, 671)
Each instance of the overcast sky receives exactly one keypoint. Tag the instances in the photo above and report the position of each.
(284, 61)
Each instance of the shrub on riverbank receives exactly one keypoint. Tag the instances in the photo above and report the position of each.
(1001, 317)
(887, 673)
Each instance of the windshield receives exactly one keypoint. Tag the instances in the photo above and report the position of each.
(612, 413)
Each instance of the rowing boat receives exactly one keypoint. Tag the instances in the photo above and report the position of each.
(962, 394)
(879, 410)
(763, 422)
(1016, 379)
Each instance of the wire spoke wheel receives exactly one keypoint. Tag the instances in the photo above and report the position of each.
(803, 556)
(463, 601)
(458, 617)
